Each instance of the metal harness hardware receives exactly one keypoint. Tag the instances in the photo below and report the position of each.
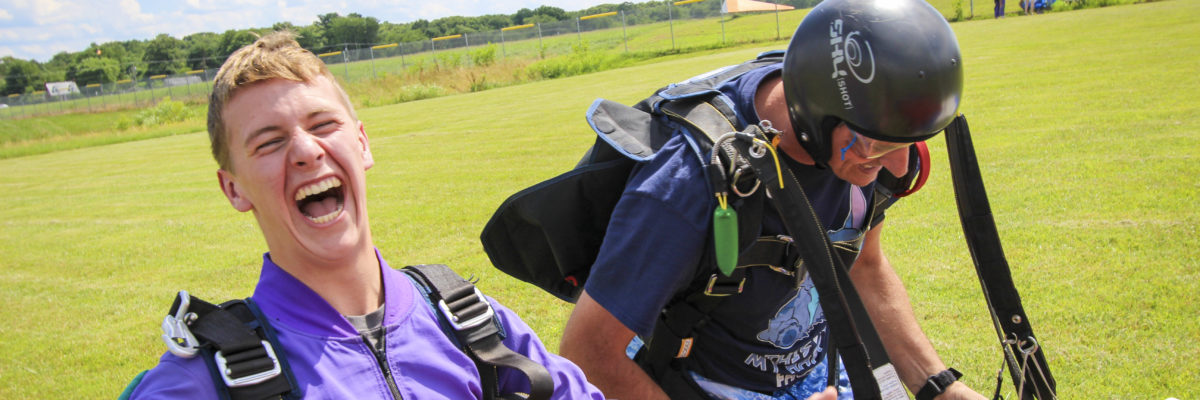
(180, 340)
(247, 357)
(241, 368)
(466, 305)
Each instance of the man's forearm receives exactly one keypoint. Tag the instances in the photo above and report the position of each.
(622, 379)
(891, 311)
(595, 341)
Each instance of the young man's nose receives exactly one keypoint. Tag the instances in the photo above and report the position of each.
(305, 151)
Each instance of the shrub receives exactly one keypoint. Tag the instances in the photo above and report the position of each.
(165, 112)
(484, 56)
(580, 61)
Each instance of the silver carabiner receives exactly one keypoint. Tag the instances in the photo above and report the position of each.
(179, 339)
(733, 187)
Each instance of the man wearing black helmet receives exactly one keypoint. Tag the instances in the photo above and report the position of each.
(861, 81)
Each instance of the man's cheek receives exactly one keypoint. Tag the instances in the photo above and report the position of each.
(896, 162)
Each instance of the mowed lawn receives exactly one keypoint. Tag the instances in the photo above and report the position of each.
(1087, 125)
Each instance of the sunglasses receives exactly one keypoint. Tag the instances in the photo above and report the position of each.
(868, 148)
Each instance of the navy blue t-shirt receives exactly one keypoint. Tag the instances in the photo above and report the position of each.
(765, 339)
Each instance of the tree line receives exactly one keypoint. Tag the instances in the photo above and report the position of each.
(166, 55)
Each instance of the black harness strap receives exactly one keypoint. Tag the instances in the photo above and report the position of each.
(983, 240)
(851, 330)
(473, 321)
(242, 353)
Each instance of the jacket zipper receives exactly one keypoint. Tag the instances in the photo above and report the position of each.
(381, 359)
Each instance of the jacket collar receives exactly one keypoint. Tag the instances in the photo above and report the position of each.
(289, 302)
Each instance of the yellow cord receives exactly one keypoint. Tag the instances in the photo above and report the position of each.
(723, 200)
(778, 169)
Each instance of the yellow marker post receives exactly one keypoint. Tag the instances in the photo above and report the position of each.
(601, 15)
(513, 28)
(503, 48)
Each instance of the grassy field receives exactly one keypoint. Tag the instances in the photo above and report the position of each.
(1085, 122)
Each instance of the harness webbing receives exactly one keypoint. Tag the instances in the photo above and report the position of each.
(254, 364)
(983, 240)
(850, 329)
(473, 323)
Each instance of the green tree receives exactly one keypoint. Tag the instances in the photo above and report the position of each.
(56, 69)
(96, 70)
(165, 55)
(21, 76)
(521, 15)
(203, 50)
(352, 29)
(311, 37)
(550, 11)
(400, 33)
(234, 39)
(133, 66)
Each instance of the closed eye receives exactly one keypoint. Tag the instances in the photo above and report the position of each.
(324, 127)
(268, 144)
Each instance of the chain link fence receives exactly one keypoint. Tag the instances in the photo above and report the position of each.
(686, 24)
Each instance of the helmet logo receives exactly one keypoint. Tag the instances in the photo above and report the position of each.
(850, 53)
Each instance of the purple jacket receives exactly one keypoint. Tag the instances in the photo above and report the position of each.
(331, 361)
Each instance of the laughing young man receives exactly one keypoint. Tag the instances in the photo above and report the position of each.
(292, 151)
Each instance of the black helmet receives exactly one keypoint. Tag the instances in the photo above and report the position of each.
(890, 69)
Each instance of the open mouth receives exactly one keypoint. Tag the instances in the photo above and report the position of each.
(321, 202)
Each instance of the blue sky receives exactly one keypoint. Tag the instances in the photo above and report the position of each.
(38, 29)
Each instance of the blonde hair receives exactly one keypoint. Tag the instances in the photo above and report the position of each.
(274, 56)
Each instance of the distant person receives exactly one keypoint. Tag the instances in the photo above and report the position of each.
(291, 150)
(999, 12)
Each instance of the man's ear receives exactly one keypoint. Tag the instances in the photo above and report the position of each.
(229, 186)
(368, 160)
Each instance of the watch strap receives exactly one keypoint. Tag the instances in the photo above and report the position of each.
(938, 383)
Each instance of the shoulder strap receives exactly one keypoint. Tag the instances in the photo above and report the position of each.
(236, 342)
(852, 333)
(462, 307)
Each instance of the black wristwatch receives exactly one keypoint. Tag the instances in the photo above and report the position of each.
(937, 384)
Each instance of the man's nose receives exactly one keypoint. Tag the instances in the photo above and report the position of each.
(306, 151)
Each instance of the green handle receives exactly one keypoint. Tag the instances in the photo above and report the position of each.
(725, 239)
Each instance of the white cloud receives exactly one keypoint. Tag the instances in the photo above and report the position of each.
(4, 15)
(131, 10)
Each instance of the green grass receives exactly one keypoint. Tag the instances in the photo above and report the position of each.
(1085, 123)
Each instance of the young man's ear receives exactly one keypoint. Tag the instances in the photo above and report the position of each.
(368, 160)
(229, 186)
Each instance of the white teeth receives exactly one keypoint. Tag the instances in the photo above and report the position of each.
(318, 187)
(327, 217)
